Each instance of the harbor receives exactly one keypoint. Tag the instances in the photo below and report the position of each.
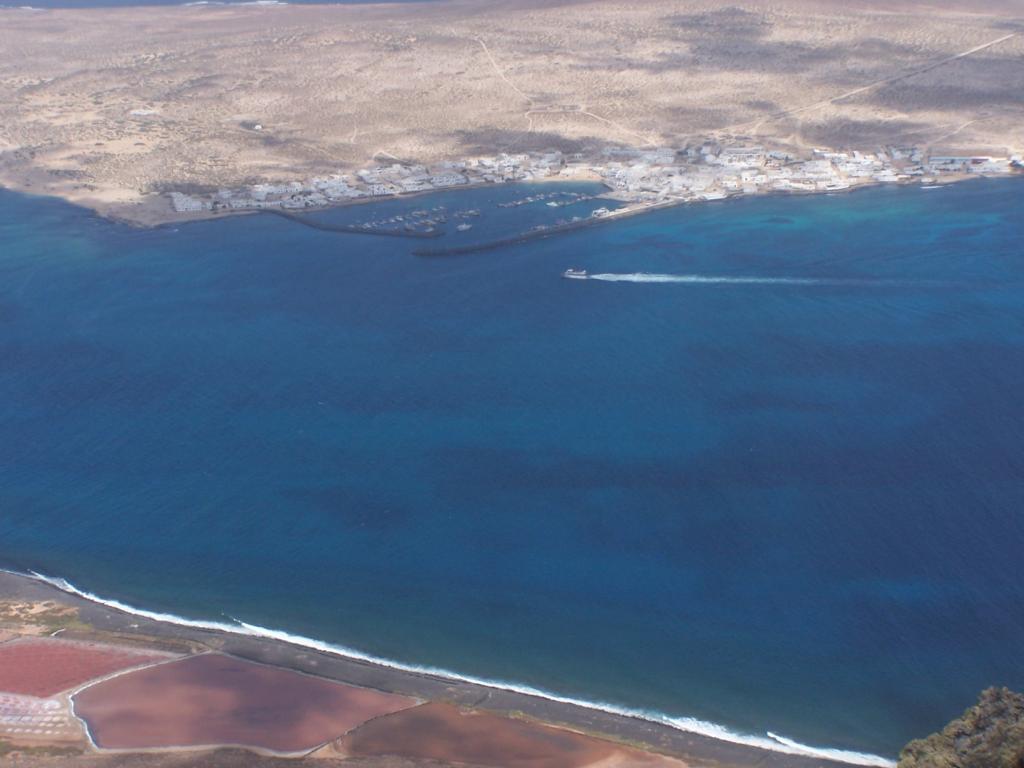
(305, 221)
(541, 231)
(698, 172)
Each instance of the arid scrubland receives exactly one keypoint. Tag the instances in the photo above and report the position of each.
(109, 107)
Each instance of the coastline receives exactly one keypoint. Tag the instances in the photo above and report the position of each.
(157, 213)
(698, 742)
(116, 146)
(627, 213)
(554, 230)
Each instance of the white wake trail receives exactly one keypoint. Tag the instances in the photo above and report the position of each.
(649, 277)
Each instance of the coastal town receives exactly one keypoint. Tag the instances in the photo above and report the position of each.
(638, 178)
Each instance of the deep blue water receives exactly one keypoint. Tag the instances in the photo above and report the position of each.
(786, 507)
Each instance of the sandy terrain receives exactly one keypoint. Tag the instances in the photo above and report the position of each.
(214, 699)
(40, 617)
(108, 107)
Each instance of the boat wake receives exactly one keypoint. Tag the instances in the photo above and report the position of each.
(648, 277)
(769, 741)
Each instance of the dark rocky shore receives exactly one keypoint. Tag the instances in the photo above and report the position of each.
(988, 735)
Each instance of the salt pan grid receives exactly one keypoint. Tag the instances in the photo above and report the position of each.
(26, 717)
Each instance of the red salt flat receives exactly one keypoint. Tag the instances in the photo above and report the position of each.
(45, 666)
(449, 735)
(214, 699)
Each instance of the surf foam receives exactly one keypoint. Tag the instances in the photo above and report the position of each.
(769, 741)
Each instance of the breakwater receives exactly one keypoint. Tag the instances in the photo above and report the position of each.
(539, 234)
(350, 229)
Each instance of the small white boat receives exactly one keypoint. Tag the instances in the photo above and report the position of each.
(464, 227)
(575, 274)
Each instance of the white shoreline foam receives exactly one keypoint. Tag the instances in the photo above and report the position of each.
(769, 741)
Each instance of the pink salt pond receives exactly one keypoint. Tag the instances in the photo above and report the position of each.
(214, 699)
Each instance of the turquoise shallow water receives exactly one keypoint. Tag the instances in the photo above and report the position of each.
(791, 504)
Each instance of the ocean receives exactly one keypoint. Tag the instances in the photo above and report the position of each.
(765, 469)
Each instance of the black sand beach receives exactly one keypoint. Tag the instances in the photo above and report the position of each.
(696, 749)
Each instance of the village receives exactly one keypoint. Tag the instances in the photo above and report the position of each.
(706, 171)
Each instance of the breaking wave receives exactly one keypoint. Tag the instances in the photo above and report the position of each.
(769, 741)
